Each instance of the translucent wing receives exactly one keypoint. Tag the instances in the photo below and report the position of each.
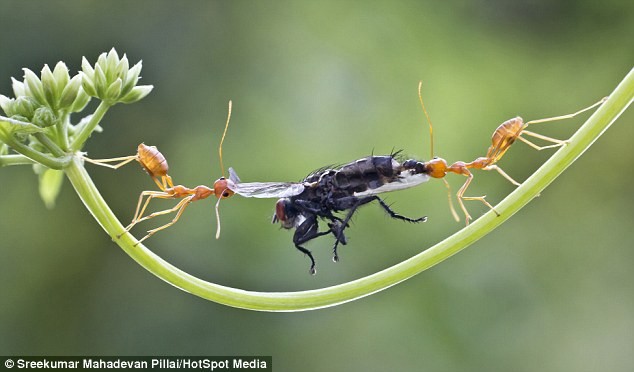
(263, 189)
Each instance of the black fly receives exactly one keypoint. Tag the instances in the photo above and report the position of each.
(328, 191)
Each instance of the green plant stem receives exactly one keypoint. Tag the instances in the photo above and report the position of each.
(325, 297)
(38, 157)
(86, 130)
(61, 129)
(6, 160)
(49, 144)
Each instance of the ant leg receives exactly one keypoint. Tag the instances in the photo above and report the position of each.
(451, 207)
(167, 181)
(158, 195)
(557, 143)
(501, 172)
(151, 195)
(137, 216)
(568, 116)
(461, 197)
(180, 207)
(104, 162)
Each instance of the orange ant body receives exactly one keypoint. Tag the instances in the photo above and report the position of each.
(150, 158)
(502, 139)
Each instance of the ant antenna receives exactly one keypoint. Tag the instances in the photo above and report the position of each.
(431, 145)
(431, 128)
(218, 218)
(222, 167)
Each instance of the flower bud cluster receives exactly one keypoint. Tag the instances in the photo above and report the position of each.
(40, 100)
(112, 80)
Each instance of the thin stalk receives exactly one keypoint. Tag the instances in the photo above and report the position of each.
(330, 296)
(14, 159)
(86, 130)
(49, 144)
(62, 129)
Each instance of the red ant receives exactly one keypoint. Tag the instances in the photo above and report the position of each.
(155, 164)
(502, 139)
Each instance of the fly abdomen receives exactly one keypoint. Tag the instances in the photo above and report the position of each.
(368, 173)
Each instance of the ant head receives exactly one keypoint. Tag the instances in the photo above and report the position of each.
(436, 167)
(222, 191)
(221, 188)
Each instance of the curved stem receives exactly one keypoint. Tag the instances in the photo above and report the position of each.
(325, 297)
(86, 130)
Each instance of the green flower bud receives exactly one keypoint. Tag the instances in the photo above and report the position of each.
(70, 91)
(87, 85)
(132, 78)
(114, 90)
(122, 68)
(136, 94)
(18, 88)
(49, 87)
(61, 77)
(34, 86)
(100, 82)
(111, 65)
(25, 106)
(81, 101)
(6, 104)
(87, 69)
(44, 117)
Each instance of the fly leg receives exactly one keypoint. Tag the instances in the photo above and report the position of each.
(396, 215)
(352, 203)
(346, 203)
(306, 231)
(337, 227)
(316, 209)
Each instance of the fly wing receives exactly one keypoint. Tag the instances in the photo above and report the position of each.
(263, 189)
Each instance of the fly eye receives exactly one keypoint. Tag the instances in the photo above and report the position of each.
(225, 194)
(281, 211)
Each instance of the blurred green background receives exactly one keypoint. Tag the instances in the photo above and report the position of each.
(316, 83)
